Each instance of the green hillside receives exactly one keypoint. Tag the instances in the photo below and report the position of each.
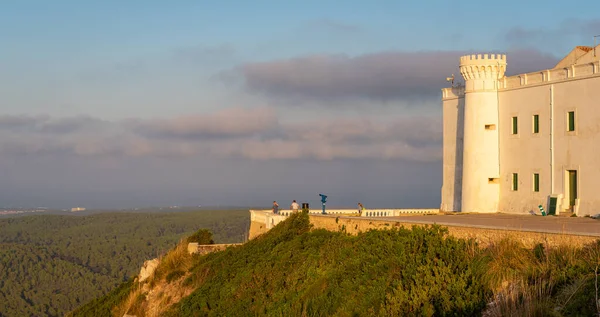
(293, 271)
(49, 265)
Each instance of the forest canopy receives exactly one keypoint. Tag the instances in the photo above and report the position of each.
(51, 264)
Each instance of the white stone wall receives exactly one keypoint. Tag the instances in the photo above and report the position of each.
(525, 153)
(528, 153)
(579, 150)
(453, 113)
(480, 188)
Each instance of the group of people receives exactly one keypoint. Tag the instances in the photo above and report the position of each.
(295, 206)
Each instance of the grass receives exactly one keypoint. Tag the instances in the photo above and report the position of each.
(176, 260)
(132, 305)
(543, 281)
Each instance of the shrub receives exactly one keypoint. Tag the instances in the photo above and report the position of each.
(201, 236)
(177, 259)
(103, 306)
(292, 271)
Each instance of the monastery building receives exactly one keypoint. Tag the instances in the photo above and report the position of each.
(514, 143)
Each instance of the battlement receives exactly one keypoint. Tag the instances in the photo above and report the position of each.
(483, 68)
(482, 58)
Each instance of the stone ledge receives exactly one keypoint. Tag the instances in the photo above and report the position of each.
(195, 248)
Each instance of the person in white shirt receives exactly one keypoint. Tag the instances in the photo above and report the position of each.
(294, 207)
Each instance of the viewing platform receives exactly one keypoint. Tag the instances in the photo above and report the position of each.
(271, 220)
(484, 228)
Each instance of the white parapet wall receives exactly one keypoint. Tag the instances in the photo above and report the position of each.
(265, 220)
(397, 212)
(267, 217)
(270, 219)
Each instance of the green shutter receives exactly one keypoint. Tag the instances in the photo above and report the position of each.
(571, 120)
(536, 123)
(515, 184)
(552, 207)
(572, 187)
(515, 127)
(536, 182)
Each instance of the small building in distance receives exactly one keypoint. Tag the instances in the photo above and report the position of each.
(514, 143)
(77, 209)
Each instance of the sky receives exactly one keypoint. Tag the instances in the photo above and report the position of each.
(118, 104)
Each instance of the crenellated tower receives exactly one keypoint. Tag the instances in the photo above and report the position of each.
(481, 162)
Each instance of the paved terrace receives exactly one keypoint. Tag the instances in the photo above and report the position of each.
(549, 224)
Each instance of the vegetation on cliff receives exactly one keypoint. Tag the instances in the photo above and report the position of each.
(50, 264)
(295, 271)
(291, 271)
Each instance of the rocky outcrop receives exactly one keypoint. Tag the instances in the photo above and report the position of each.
(148, 269)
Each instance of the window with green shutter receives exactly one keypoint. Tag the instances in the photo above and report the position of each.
(515, 181)
(536, 123)
(515, 125)
(536, 182)
(571, 126)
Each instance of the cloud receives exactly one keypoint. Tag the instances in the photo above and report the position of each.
(10, 122)
(46, 124)
(379, 77)
(416, 138)
(334, 26)
(225, 123)
(255, 134)
(529, 60)
(194, 61)
(569, 30)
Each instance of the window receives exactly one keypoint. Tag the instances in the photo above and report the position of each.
(515, 181)
(515, 126)
(536, 182)
(536, 123)
(571, 118)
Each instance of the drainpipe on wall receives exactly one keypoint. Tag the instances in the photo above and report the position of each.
(498, 123)
(551, 139)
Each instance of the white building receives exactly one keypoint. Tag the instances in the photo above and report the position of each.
(511, 143)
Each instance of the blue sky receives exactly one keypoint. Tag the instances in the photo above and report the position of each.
(100, 99)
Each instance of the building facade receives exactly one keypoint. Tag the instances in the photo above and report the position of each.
(511, 144)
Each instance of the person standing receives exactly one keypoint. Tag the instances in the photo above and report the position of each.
(275, 207)
(294, 207)
(360, 209)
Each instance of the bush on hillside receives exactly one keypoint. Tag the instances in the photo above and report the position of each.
(201, 236)
(543, 281)
(104, 305)
(291, 271)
